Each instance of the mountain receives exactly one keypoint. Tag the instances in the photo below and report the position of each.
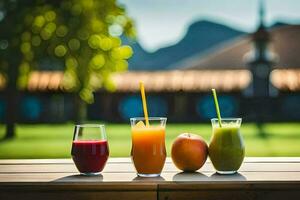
(201, 36)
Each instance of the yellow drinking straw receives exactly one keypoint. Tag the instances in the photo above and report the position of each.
(217, 106)
(144, 102)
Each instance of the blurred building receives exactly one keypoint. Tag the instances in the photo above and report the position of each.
(181, 95)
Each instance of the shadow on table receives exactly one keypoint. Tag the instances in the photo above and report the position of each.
(143, 179)
(80, 178)
(220, 177)
(190, 176)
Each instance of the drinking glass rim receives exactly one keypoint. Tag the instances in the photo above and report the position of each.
(149, 118)
(90, 125)
(227, 119)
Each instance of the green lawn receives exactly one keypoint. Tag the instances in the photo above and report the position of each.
(54, 141)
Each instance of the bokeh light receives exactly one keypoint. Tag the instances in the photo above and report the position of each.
(106, 44)
(98, 61)
(61, 31)
(50, 16)
(74, 44)
(94, 41)
(60, 50)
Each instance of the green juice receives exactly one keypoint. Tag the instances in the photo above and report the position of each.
(226, 149)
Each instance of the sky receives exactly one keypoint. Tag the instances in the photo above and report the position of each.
(161, 23)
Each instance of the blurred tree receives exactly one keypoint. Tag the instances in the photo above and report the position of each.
(81, 37)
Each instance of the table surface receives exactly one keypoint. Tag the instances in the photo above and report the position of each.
(119, 173)
(121, 170)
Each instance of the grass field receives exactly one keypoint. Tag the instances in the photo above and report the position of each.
(54, 141)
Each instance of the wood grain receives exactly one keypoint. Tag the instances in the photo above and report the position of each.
(230, 195)
(258, 178)
(82, 195)
(128, 167)
(128, 160)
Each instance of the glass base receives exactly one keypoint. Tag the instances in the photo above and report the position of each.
(226, 172)
(148, 175)
(90, 173)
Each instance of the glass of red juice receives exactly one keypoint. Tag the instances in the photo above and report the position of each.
(90, 148)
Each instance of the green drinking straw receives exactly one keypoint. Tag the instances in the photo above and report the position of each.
(217, 106)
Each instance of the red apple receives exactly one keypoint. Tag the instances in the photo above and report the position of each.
(189, 152)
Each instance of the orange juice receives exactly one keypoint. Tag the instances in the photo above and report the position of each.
(148, 149)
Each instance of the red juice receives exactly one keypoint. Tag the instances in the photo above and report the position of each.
(90, 156)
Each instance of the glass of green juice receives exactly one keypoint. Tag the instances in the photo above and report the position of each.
(226, 148)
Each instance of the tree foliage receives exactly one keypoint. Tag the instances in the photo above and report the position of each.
(81, 37)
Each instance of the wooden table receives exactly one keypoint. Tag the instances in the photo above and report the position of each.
(258, 178)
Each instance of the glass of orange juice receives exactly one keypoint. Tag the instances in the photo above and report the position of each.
(148, 150)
